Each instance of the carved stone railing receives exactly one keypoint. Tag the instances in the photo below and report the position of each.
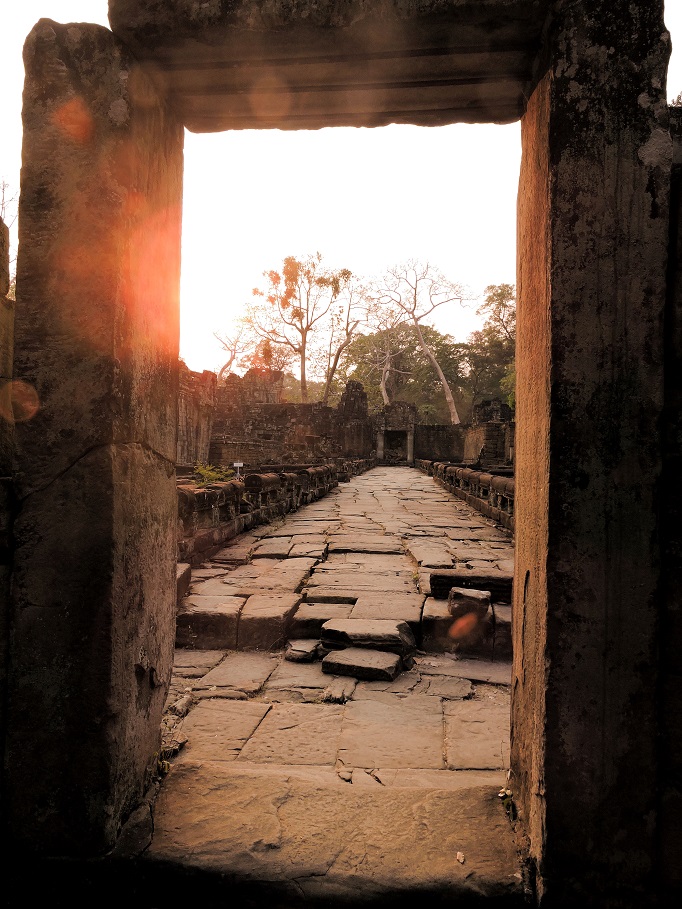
(209, 516)
(491, 494)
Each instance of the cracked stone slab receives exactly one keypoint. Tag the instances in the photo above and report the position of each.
(476, 735)
(296, 734)
(408, 733)
(243, 673)
(301, 650)
(272, 548)
(193, 664)
(295, 675)
(266, 833)
(497, 673)
(208, 622)
(218, 730)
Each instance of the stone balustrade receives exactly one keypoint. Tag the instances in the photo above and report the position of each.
(491, 494)
(210, 515)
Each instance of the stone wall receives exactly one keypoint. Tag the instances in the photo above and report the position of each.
(439, 442)
(6, 434)
(491, 494)
(209, 516)
(196, 407)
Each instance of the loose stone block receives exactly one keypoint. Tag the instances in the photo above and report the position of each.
(462, 601)
(309, 618)
(476, 670)
(503, 631)
(381, 634)
(436, 623)
(277, 548)
(363, 664)
(208, 623)
(301, 651)
(265, 620)
(498, 583)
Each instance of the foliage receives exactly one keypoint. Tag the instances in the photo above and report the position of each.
(411, 377)
(416, 290)
(205, 474)
(490, 351)
(296, 306)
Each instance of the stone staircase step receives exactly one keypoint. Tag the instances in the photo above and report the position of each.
(363, 663)
(208, 623)
(498, 582)
(378, 634)
(309, 618)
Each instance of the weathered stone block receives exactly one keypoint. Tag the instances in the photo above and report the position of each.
(360, 663)
(265, 621)
(462, 601)
(309, 618)
(380, 634)
(208, 623)
(302, 650)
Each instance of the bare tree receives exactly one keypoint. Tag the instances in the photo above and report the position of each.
(345, 318)
(295, 305)
(417, 290)
(235, 345)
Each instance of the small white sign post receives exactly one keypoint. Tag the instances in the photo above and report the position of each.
(238, 464)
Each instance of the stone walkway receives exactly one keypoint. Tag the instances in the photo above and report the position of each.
(308, 786)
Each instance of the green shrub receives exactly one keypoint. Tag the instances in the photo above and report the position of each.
(205, 474)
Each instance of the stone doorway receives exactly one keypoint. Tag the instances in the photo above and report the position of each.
(395, 445)
(106, 110)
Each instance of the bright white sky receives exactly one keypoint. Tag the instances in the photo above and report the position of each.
(365, 199)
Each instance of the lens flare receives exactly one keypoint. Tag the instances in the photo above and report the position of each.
(19, 402)
(463, 626)
(75, 121)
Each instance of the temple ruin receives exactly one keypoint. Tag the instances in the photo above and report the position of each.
(90, 529)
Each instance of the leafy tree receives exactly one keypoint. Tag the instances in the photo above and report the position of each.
(417, 290)
(294, 306)
(411, 376)
(490, 351)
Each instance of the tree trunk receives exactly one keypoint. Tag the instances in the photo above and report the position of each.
(384, 378)
(304, 381)
(332, 370)
(452, 407)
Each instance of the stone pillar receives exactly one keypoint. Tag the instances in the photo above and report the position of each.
(97, 331)
(380, 445)
(593, 221)
(6, 434)
(410, 446)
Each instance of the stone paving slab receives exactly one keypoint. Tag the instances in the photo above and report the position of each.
(404, 734)
(218, 730)
(476, 735)
(296, 734)
(498, 673)
(296, 840)
(195, 663)
(239, 672)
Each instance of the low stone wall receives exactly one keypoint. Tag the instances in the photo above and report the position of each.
(208, 516)
(491, 494)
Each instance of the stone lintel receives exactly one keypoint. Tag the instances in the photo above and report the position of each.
(305, 66)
